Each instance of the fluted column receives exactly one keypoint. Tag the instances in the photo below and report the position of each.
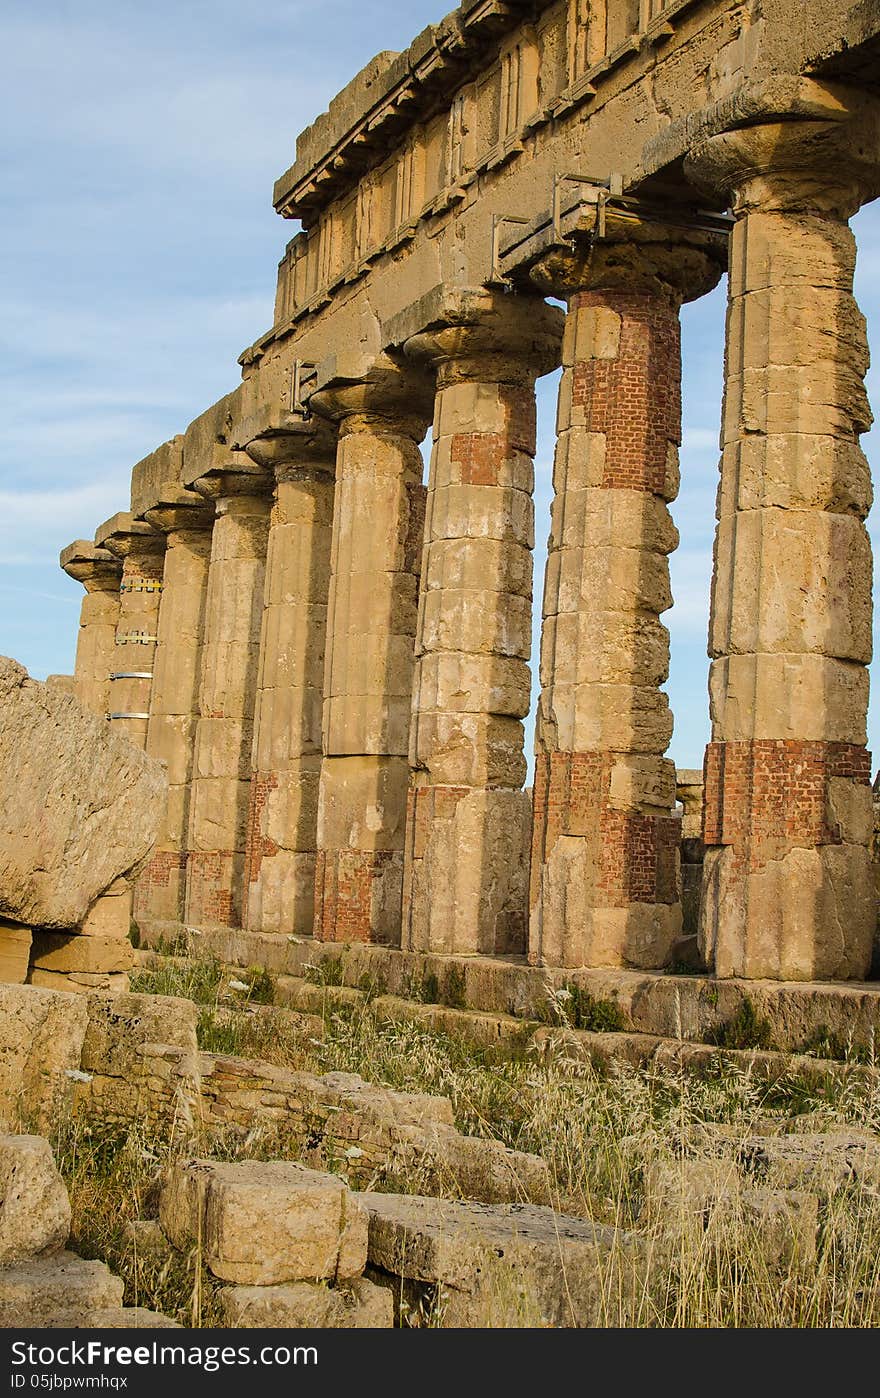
(184, 519)
(604, 873)
(469, 820)
(787, 884)
(378, 523)
(100, 574)
(142, 553)
(224, 733)
(283, 815)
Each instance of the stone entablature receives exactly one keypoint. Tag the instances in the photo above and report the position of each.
(346, 646)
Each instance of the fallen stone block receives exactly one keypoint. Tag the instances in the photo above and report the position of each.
(44, 1294)
(826, 1161)
(508, 1266)
(79, 805)
(148, 1239)
(259, 1223)
(359, 1305)
(122, 1027)
(707, 1204)
(61, 951)
(473, 1167)
(80, 982)
(15, 950)
(119, 1318)
(385, 1104)
(34, 1207)
(41, 1038)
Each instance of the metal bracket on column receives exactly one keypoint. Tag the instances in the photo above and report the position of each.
(111, 717)
(132, 675)
(603, 190)
(497, 277)
(301, 373)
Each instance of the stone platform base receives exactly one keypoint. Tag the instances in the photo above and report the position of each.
(794, 1017)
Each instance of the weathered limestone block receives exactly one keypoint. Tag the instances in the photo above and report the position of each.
(788, 891)
(34, 1208)
(821, 1161)
(265, 1223)
(110, 916)
(283, 813)
(465, 881)
(82, 982)
(218, 816)
(58, 951)
(117, 1318)
(507, 1266)
(100, 574)
(382, 412)
(79, 806)
(121, 1029)
(47, 1293)
(41, 1039)
(707, 1203)
(604, 867)
(185, 521)
(15, 950)
(360, 1305)
(469, 882)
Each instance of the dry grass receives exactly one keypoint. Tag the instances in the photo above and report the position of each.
(599, 1133)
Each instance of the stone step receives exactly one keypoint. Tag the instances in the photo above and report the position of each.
(506, 1266)
(45, 1293)
(689, 1008)
(511, 1034)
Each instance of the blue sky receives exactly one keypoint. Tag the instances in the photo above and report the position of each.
(138, 248)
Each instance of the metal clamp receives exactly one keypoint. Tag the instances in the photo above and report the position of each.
(603, 191)
(136, 638)
(301, 372)
(132, 675)
(497, 277)
(113, 716)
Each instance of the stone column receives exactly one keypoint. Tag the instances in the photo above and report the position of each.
(101, 962)
(185, 520)
(224, 733)
(787, 886)
(142, 552)
(605, 861)
(378, 523)
(283, 816)
(100, 574)
(469, 820)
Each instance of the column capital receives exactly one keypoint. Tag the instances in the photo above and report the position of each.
(127, 537)
(177, 509)
(306, 446)
(825, 163)
(96, 568)
(240, 477)
(363, 393)
(635, 255)
(486, 336)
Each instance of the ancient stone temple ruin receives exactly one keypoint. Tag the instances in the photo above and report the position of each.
(331, 655)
